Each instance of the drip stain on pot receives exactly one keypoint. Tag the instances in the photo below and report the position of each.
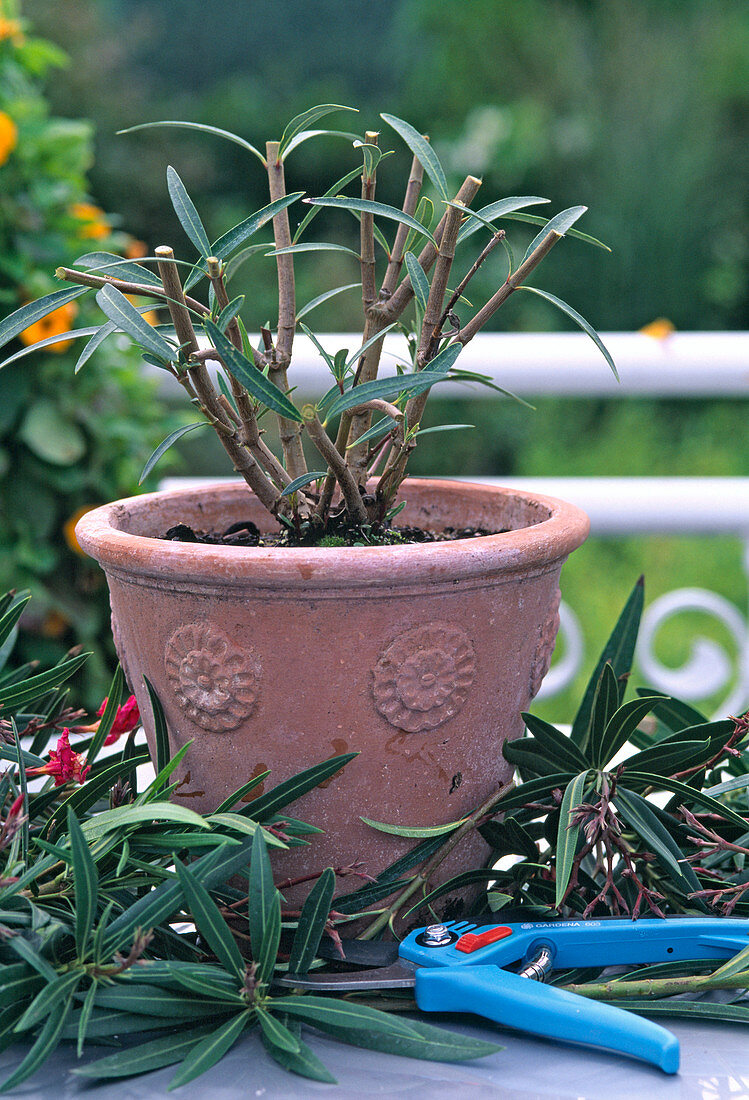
(259, 769)
(339, 746)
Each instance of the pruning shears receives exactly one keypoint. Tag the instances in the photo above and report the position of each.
(461, 966)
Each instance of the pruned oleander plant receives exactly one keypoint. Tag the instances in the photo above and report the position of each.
(413, 279)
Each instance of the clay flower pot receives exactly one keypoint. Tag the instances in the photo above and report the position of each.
(421, 657)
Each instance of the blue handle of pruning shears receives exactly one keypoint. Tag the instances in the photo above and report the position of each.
(466, 975)
(508, 999)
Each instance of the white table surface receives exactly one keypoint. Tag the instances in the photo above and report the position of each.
(714, 1066)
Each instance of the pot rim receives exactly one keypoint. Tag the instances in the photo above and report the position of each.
(536, 547)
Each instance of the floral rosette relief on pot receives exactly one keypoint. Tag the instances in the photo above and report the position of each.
(326, 604)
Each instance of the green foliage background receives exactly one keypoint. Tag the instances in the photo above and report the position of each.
(66, 442)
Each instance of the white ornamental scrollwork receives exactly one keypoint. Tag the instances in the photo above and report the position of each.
(709, 668)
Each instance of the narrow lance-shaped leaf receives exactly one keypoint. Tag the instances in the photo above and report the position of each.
(35, 687)
(266, 958)
(303, 1062)
(496, 210)
(245, 372)
(433, 1044)
(368, 344)
(165, 444)
(312, 923)
(231, 240)
(368, 206)
(160, 728)
(46, 1042)
(210, 1050)
(416, 832)
(12, 615)
(114, 698)
(535, 219)
(197, 126)
(644, 820)
(560, 223)
(29, 314)
(209, 921)
(668, 757)
(305, 135)
(690, 795)
(312, 246)
(112, 264)
(185, 210)
(323, 1013)
(121, 816)
(315, 210)
(306, 119)
(386, 388)
(50, 341)
(568, 834)
(620, 728)
(371, 155)
(85, 1017)
(443, 428)
(419, 281)
(619, 651)
(277, 1033)
(301, 481)
(605, 705)
(377, 431)
(422, 150)
(86, 879)
(95, 342)
(318, 301)
(164, 1051)
(579, 320)
(291, 789)
(262, 893)
(329, 359)
(116, 307)
(48, 998)
(556, 744)
(229, 312)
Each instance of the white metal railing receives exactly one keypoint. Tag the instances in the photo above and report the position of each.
(694, 364)
(627, 506)
(567, 364)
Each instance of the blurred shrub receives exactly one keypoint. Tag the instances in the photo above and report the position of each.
(638, 108)
(67, 443)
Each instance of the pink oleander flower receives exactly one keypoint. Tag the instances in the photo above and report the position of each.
(64, 764)
(125, 720)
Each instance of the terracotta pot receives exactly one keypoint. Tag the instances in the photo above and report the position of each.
(420, 657)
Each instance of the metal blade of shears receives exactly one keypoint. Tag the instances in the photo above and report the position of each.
(401, 975)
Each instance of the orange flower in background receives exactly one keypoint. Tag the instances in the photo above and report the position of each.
(658, 329)
(135, 249)
(11, 28)
(57, 322)
(150, 315)
(54, 625)
(68, 529)
(95, 224)
(8, 136)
